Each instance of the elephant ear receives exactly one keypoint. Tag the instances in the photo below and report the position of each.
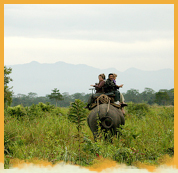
(106, 122)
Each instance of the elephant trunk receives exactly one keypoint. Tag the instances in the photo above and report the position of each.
(106, 122)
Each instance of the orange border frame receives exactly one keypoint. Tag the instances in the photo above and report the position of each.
(82, 2)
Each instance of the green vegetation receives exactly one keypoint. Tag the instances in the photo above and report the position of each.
(55, 95)
(7, 90)
(149, 96)
(35, 128)
(32, 98)
(46, 132)
(77, 115)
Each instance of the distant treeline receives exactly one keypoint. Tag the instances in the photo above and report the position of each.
(32, 98)
(162, 97)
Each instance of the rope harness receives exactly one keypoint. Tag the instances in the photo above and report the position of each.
(103, 99)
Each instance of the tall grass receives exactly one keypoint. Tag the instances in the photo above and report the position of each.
(45, 132)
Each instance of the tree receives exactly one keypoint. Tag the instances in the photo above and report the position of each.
(171, 96)
(32, 95)
(67, 99)
(162, 97)
(79, 96)
(55, 95)
(132, 95)
(7, 90)
(148, 95)
(77, 114)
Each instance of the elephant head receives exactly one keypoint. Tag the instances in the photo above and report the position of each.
(110, 117)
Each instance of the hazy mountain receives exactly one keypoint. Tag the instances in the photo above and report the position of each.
(42, 78)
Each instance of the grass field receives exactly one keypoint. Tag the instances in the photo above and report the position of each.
(44, 132)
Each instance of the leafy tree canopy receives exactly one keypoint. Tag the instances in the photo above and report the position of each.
(162, 97)
(56, 95)
(7, 90)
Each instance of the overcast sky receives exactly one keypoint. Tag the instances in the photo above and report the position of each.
(103, 36)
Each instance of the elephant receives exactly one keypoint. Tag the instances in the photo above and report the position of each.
(110, 119)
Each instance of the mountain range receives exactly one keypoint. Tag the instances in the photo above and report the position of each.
(42, 78)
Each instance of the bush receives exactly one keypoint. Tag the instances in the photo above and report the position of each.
(45, 107)
(17, 111)
(41, 108)
(139, 109)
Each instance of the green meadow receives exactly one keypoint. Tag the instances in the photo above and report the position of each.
(45, 132)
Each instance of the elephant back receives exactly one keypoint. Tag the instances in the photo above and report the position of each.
(109, 116)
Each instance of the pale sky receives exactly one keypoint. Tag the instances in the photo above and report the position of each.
(102, 36)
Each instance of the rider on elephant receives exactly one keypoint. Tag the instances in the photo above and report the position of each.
(121, 95)
(111, 87)
(99, 89)
(118, 86)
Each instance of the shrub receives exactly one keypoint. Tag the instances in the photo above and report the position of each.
(45, 107)
(41, 108)
(17, 111)
(139, 109)
(77, 115)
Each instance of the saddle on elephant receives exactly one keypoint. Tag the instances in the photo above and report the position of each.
(105, 98)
